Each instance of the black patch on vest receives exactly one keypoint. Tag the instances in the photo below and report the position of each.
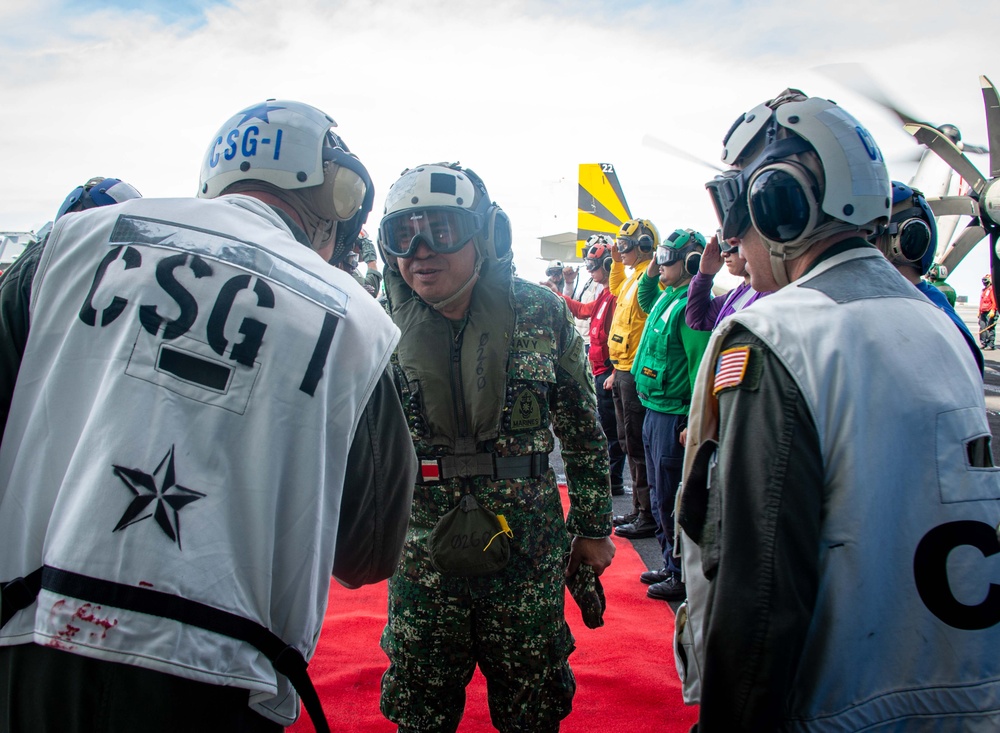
(191, 368)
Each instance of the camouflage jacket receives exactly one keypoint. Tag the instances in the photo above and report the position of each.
(477, 388)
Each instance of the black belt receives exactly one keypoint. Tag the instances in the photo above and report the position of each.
(21, 593)
(498, 468)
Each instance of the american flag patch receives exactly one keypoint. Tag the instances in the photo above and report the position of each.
(731, 368)
(430, 471)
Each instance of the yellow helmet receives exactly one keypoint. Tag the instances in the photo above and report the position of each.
(638, 233)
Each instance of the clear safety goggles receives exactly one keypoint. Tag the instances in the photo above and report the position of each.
(626, 244)
(594, 258)
(729, 199)
(443, 230)
(669, 255)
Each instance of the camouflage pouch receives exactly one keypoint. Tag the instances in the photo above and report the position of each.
(587, 591)
(470, 541)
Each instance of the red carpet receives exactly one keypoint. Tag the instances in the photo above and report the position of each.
(624, 670)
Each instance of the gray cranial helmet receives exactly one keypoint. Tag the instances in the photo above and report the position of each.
(445, 206)
(807, 170)
(291, 147)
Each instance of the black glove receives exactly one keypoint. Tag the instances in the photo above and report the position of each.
(587, 591)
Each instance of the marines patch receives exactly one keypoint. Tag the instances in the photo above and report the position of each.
(526, 415)
(731, 368)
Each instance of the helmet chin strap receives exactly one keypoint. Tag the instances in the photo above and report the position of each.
(778, 269)
(441, 304)
(781, 253)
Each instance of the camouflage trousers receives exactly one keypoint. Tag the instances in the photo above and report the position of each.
(511, 624)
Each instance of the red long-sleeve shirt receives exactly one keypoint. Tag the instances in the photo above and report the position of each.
(987, 301)
(600, 311)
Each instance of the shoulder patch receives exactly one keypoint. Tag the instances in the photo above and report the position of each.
(734, 369)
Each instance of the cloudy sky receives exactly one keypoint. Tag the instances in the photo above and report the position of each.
(522, 91)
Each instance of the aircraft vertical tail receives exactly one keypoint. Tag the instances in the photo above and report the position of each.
(602, 207)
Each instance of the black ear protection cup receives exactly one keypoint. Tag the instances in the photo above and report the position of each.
(606, 264)
(692, 262)
(644, 242)
(912, 236)
(499, 232)
(905, 239)
(783, 203)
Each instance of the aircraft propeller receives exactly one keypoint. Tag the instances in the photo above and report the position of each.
(983, 199)
(664, 147)
(982, 203)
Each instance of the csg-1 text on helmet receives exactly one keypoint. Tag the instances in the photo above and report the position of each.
(291, 146)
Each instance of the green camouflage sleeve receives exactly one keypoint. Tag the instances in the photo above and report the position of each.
(367, 250)
(584, 447)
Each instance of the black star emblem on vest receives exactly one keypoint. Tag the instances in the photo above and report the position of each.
(170, 497)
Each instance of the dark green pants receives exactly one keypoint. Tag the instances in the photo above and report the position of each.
(511, 625)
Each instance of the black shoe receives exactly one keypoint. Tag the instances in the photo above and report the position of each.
(637, 530)
(655, 576)
(618, 491)
(620, 519)
(671, 589)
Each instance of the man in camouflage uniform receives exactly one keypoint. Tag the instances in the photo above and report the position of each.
(488, 365)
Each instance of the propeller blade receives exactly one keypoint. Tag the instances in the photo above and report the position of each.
(962, 245)
(949, 153)
(972, 148)
(857, 78)
(954, 206)
(992, 102)
(664, 147)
